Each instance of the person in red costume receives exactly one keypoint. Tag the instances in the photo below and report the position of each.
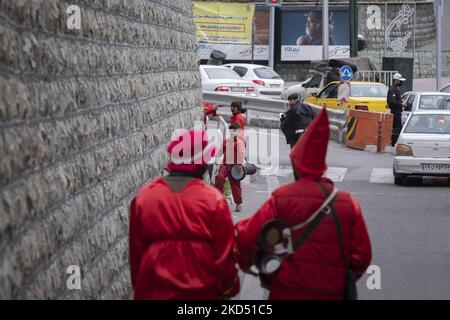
(236, 110)
(316, 270)
(234, 154)
(181, 234)
(209, 110)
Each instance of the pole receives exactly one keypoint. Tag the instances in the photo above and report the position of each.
(325, 30)
(439, 15)
(272, 37)
(353, 28)
(253, 40)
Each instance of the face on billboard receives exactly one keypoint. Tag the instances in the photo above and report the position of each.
(301, 34)
(305, 28)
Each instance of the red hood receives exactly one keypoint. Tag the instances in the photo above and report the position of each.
(309, 154)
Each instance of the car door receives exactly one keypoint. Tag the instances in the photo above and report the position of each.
(328, 97)
(409, 101)
(318, 98)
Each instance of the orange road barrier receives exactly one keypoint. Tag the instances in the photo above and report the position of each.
(364, 128)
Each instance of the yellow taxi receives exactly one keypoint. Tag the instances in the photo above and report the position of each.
(367, 96)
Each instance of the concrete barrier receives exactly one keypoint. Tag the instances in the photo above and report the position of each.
(364, 128)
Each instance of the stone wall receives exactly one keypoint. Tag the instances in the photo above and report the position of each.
(85, 116)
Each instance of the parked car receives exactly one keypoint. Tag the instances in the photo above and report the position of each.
(305, 89)
(222, 79)
(423, 148)
(268, 82)
(367, 96)
(445, 88)
(422, 100)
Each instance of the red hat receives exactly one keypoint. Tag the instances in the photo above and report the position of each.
(190, 151)
(309, 154)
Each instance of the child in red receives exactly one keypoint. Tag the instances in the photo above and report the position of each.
(236, 110)
(234, 154)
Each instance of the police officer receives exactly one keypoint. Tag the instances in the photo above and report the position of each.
(395, 103)
(295, 121)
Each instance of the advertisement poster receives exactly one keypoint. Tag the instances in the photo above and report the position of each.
(232, 28)
(218, 22)
(301, 34)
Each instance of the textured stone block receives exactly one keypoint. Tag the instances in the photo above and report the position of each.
(85, 116)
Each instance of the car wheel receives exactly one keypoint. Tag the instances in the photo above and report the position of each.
(399, 181)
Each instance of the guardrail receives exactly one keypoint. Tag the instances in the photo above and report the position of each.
(338, 118)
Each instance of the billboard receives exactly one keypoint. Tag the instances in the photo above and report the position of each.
(301, 34)
(233, 28)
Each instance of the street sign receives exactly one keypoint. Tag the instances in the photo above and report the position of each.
(344, 92)
(346, 73)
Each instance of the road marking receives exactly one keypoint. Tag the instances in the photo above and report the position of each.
(382, 175)
(336, 174)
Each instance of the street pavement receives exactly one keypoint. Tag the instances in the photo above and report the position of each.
(408, 225)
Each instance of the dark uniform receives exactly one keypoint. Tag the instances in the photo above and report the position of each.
(394, 100)
(295, 121)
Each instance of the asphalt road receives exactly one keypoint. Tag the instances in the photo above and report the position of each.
(409, 225)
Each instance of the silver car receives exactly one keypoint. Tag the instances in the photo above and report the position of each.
(423, 148)
(422, 100)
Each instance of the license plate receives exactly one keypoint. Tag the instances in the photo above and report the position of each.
(276, 86)
(238, 89)
(435, 167)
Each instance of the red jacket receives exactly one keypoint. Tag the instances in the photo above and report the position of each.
(181, 244)
(234, 150)
(316, 270)
(238, 118)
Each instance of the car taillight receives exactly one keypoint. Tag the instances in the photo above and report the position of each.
(259, 82)
(251, 90)
(404, 150)
(222, 89)
(362, 108)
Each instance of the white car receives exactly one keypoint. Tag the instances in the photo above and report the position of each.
(307, 88)
(269, 83)
(423, 148)
(221, 79)
(423, 101)
(445, 88)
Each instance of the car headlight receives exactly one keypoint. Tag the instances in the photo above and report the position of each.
(404, 150)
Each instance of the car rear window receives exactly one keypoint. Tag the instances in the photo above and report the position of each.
(368, 90)
(431, 101)
(429, 123)
(221, 73)
(266, 73)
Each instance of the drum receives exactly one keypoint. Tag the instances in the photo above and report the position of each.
(239, 173)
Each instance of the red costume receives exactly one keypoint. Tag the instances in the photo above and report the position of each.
(316, 270)
(237, 117)
(234, 153)
(209, 109)
(181, 241)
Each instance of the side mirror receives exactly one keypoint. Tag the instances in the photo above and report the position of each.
(314, 94)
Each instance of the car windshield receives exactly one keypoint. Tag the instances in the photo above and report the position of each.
(221, 73)
(266, 73)
(429, 123)
(446, 89)
(431, 101)
(368, 90)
